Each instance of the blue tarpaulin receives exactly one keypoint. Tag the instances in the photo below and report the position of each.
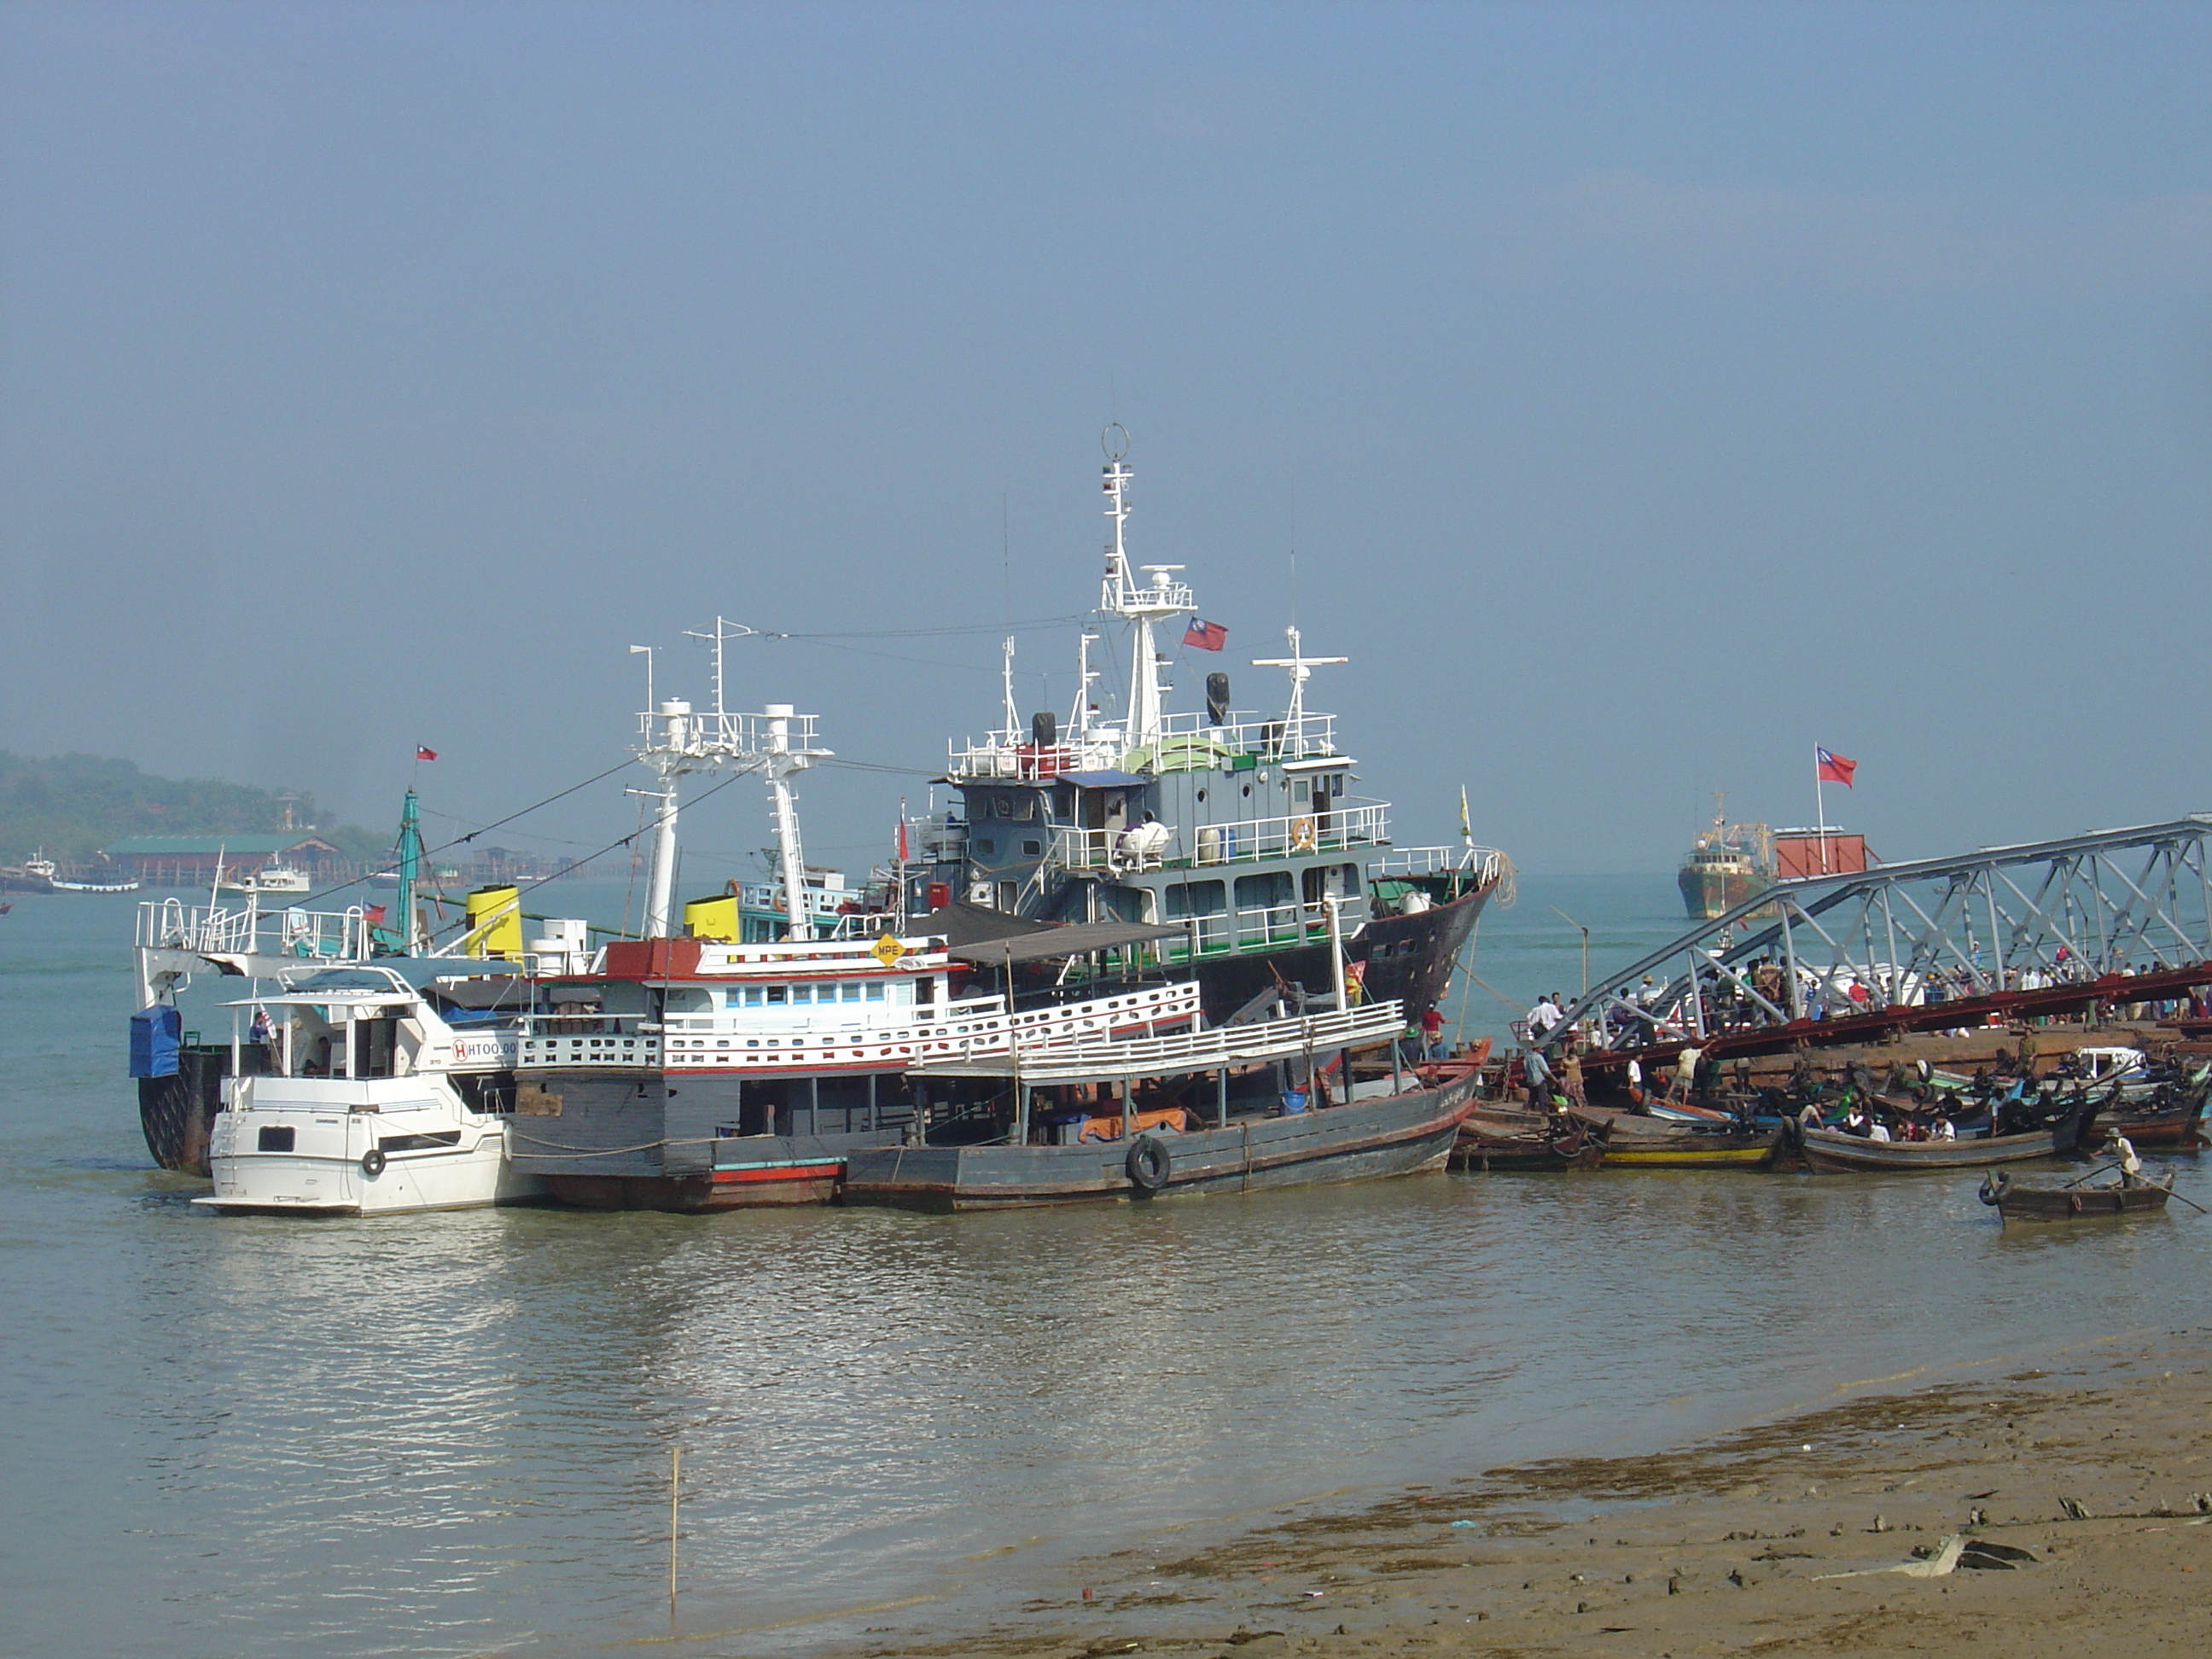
(155, 1034)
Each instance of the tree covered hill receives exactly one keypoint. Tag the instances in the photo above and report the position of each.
(73, 806)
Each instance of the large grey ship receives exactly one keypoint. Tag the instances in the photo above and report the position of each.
(1240, 826)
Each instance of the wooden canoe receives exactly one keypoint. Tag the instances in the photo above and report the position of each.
(1831, 1151)
(1496, 1137)
(1656, 1143)
(2075, 1203)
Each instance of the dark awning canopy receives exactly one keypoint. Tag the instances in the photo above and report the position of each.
(1079, 939)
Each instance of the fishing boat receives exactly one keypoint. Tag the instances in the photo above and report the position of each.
(1634, 1141)
(33, 875)
(1239, 828)
(1494, 1137)
(1084, 1133)
(1726, 865)
(102, 878)
(2016, 1203)
(1835, 1152)
(373, 1092)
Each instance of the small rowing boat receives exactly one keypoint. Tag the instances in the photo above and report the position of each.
(1498, 1138)
(1831, 1151)
(2073, 1203)
(1655, 1143)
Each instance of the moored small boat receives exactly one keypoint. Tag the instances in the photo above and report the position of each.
(1833, 1152)
(2073, 1203)
(1386, 1129)
(1496, 1137)
(1636, 1141)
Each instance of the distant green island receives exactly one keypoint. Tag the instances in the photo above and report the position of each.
(73, 807)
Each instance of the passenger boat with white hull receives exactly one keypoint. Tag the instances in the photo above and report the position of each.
(379, 1066)
(1239, 828)
(379, 1096)
(717, 1069)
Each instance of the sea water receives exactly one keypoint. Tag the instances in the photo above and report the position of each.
(451, 1434)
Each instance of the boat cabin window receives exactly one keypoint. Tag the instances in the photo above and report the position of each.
(1298, 790)
(621, 997)
(925, 989)
(875, 991)
(373, 1042)
(1266, 891)
(1196, 898)
(778, 995)
(688, 999)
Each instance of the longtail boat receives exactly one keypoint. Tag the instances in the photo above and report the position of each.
(1498, 1138)
(1655, 1143)
(2073, 1203)
(1833, 1152)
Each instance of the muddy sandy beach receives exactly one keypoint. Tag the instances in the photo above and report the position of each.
(2083, 1484)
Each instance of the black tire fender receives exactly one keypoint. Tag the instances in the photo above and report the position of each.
(1148, 1163)
(373, 1161)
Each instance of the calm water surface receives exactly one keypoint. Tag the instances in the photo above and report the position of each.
(450, 1434)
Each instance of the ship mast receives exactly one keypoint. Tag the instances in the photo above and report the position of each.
(1300, 668)
(685, 742)
(1139, 605)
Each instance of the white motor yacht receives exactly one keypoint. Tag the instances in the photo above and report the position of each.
(380, 1095)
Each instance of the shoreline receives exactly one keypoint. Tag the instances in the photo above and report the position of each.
(2097, 1461)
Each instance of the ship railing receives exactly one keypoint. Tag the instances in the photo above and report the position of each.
(1246, 731)
(703, 732)
(1187, 743)
(1486, 863)
(999, 755)
(171, 924)
(1367, 823)
(1253, 928)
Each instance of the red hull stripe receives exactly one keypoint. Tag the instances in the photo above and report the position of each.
(785, 1172)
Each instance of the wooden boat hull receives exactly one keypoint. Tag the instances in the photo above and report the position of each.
(1742, 1151)
(2074, 1204)
(1494, 1139)
(1634, 1141)
(1830, 1152)
(1361, 1141)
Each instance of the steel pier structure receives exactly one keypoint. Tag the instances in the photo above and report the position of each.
(2055, 926)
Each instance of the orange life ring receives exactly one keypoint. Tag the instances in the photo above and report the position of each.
(1301, 835)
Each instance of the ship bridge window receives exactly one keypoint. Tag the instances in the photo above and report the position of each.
(1264, 892)
(1196, 898)
(778, 995)
(1032, 848)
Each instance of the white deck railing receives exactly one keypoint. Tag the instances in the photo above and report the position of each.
(1091, 1060)
(217, 930)
(1365, 824)
(1486, 862)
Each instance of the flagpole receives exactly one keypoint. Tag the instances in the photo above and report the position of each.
(1819, 810)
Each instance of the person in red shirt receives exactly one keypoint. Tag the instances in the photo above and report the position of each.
(1433, 1033)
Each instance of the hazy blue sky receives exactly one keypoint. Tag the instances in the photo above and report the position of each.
(1662, 389)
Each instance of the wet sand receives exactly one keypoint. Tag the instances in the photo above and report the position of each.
(2100, 1467)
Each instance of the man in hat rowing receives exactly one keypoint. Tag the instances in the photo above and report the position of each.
(2119, 1148)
